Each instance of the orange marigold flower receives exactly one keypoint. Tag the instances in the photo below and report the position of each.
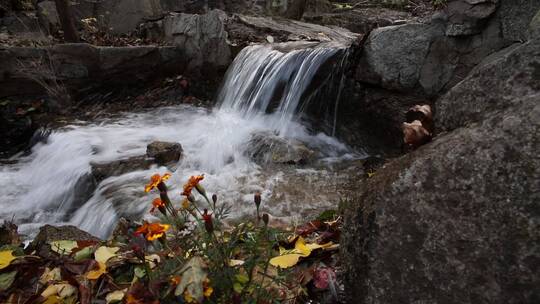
(207, 289)
(192, 183)
(155, 180)
(175, 280)
(152, 231)
(185, 203)
(157, 203)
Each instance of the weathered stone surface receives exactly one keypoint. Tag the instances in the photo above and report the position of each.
(265, 147)
(81, 65)
(164, 152)
(466, 17)
(101, 171)
(514, 17)
(534, 26)
(508, 74)
(458, 220)
(203, 38)
(394, 55)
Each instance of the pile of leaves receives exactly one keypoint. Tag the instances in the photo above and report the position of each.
(191, 255)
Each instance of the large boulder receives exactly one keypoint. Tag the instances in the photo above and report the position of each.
(458, 220)
(508, 74)
(101, 171)
(467, 17)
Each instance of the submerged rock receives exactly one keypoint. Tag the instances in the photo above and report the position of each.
(266, 147)
(164, 153)
(101, 171)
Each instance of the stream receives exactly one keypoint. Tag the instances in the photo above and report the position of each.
(264, 92)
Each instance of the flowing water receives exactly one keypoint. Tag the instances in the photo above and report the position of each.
(264, 91)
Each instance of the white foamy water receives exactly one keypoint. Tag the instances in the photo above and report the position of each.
(45, 187)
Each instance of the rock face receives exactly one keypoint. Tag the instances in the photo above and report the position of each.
(50, 233)
(164, 153)
(458, 220)
(202, 37)
(416, 63)
(80, 65)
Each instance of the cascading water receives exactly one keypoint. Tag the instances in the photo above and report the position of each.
(262, 92)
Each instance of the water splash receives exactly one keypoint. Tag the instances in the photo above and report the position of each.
(48, 185)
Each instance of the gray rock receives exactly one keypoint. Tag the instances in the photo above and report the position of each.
(266, 147)
(202, 37)
(458, 220)
(510, 73)
(101, 171)
(514, 17)
(534, 26)
(394, 55)
(466, 17)
(164, 152)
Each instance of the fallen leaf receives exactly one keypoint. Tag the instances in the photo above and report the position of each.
(62, 290)
(104, 253)
(52, 300)
(193, 276)
(6, 257)
(234, 263)
(95, 274)
(50, 275)
(83, 254)
(285, 261)
(115, 296)
(63, 247)
(152, 260)
(6, 279)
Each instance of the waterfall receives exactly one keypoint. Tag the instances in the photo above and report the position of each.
(261, 75)
(265, 90)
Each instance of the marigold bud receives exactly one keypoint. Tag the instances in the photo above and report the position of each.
(207, 218)
(257, 199)
(214, 198)
(265, 218)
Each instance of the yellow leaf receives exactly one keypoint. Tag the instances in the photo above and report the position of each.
(302, 248)
(52, 300)
(115, 296)
(95, 274)
(285, 261)
(6, 257)
(104, 253)
(62, 290)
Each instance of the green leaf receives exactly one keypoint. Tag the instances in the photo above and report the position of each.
(6, 279)
(83, 254)
(139, 272)
(242, 278)
(238, 287)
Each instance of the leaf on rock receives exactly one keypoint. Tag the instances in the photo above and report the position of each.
(193, 275)
(6, 279)
(6, 257)
(62, 291)
(63, 247)
(83, 254)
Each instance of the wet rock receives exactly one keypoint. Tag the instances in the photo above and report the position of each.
(101, 171)
(512, 72)
(164, 152)
(457, 220)
(266, 147)
(534, 26)
(9, 234)
(514, 17)
(50, 233)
